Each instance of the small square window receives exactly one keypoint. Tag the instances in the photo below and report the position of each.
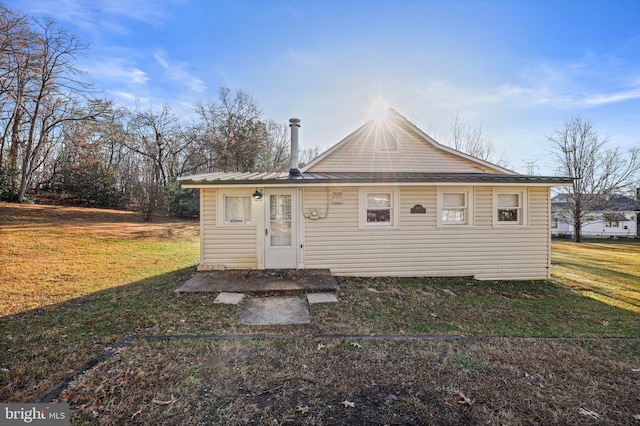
(378, 207)
(237, 210)
(510, 207)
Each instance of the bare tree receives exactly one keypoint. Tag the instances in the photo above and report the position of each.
(15, 38)
(39, 90)
(276, 152)
(307, 155)
(232, 131)
(581, 153)
(470, 140)
(88, 164)
(153, 138)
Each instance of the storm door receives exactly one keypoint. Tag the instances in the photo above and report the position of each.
(280, 228)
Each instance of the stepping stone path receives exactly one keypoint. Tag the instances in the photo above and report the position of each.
(313, 298)
(273, 311)
(228, 298)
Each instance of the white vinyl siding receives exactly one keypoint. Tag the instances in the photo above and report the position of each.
(419, 247)
(386, 139)
(225, 246)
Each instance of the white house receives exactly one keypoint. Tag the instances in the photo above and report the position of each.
(616, 217)
(387, 200)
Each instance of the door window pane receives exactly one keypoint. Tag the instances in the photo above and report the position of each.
(280, 206)
(280, 233)
(280, 220)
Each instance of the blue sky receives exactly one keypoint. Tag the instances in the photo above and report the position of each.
(519, 68)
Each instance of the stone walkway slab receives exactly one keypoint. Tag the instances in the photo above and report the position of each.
(229, 298)
(321, 298)
(273, 311)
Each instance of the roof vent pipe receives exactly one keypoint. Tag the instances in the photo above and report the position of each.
(294, 172)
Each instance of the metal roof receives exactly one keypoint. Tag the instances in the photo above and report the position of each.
(283, 178)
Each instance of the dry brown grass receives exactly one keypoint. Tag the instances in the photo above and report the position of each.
(605, 270)
(50, 254)
(276, 382)
(82, 279)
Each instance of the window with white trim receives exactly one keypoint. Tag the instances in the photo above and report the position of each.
(455, 206)
(237, 210)
(234, 208)
(378, 207)
(509, 207)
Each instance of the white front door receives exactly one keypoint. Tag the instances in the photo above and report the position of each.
(280, 228)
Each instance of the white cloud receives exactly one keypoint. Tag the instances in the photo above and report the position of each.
(101, 14)
(161, 60)
(118, 70)
(178, 72)
(610, 98)
(129, 99)
(586, 82)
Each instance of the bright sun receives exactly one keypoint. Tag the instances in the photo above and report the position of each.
(378, 110)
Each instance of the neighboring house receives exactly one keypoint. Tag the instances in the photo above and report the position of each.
(617, 216)
(388, 200)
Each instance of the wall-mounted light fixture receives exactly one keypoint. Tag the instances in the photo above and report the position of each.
(257, 195)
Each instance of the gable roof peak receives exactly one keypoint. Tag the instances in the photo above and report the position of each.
(394, 119)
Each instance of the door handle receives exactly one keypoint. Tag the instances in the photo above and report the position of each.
(266, 231)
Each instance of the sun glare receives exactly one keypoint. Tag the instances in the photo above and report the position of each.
(379, 110)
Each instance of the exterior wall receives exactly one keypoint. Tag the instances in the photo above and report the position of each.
(597, 229)
(232, 247)
(413, 155)
(416, 247)
(419, 247)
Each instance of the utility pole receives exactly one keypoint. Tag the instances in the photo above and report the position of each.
(530, 167)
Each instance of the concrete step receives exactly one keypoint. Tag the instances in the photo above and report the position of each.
(276, 281)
